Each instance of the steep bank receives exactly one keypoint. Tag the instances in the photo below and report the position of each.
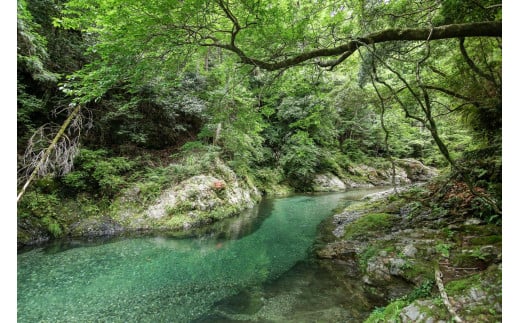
(406, 247)
(197, 190)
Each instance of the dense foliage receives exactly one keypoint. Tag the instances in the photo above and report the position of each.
(157, 81)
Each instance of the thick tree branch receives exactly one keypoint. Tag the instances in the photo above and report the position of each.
(451, 93)
(234, 20)
(477, 29)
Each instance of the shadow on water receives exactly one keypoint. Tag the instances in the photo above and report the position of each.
(256, 267)
(310, 292)
(233, 228)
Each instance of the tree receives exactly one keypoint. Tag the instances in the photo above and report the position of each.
(133, 38)
(153, 42)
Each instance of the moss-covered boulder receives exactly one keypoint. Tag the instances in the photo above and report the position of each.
(327, 182)
(195, 201)
(416, 171)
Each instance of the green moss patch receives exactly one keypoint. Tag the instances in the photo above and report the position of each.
(493, 239)
(462, 285)
(390, 313)
(367, 224)
(419, 270)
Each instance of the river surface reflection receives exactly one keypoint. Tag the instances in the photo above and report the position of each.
(258, 267)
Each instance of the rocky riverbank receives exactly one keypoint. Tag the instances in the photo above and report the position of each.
(407, 171)
(211, 193)
(397, 243)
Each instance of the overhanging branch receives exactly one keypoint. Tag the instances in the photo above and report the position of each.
(477, 29)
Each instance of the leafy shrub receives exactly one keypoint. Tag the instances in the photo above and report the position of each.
(37, 204)
(266, 177)
(443, 249)
(193, 146)
(300, 159)
(390, 313)
(96, 172)
(422, 291)
(43, 207)
(52, 226)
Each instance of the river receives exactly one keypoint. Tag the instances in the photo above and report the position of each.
(257, 267)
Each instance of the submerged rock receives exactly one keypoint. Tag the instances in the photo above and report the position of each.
(95, 227)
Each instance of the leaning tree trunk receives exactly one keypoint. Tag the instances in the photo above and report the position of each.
(48, 151)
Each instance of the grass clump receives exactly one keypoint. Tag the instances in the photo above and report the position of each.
(390, 313)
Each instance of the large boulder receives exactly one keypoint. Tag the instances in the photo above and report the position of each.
(416, 171)
(328, 183)
(202, 193)
(193, 202)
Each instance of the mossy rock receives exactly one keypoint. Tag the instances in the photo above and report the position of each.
(95, 227)
(418, 270)
(389, 313)
(368, 225)
(428, 310)
(487, 240)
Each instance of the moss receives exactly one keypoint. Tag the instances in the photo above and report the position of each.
(390, 313)
(367, 224)
(179, 209)
(177, 221)
(178, 218)
(366, 255)
(488, 282)
(372, 206)
(461, 285)
(419, 270)
(492, 239)
(223, 212)
(435, 309)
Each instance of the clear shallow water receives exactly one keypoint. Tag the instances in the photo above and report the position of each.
(256, 267)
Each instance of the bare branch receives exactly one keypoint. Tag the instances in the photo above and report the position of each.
(451, 93)
(57, 155)
(444, 296)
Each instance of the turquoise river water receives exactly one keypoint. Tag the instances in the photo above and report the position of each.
(257, 267)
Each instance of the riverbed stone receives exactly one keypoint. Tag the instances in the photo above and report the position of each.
(409, 250)
(95, 227)
(411, 313)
